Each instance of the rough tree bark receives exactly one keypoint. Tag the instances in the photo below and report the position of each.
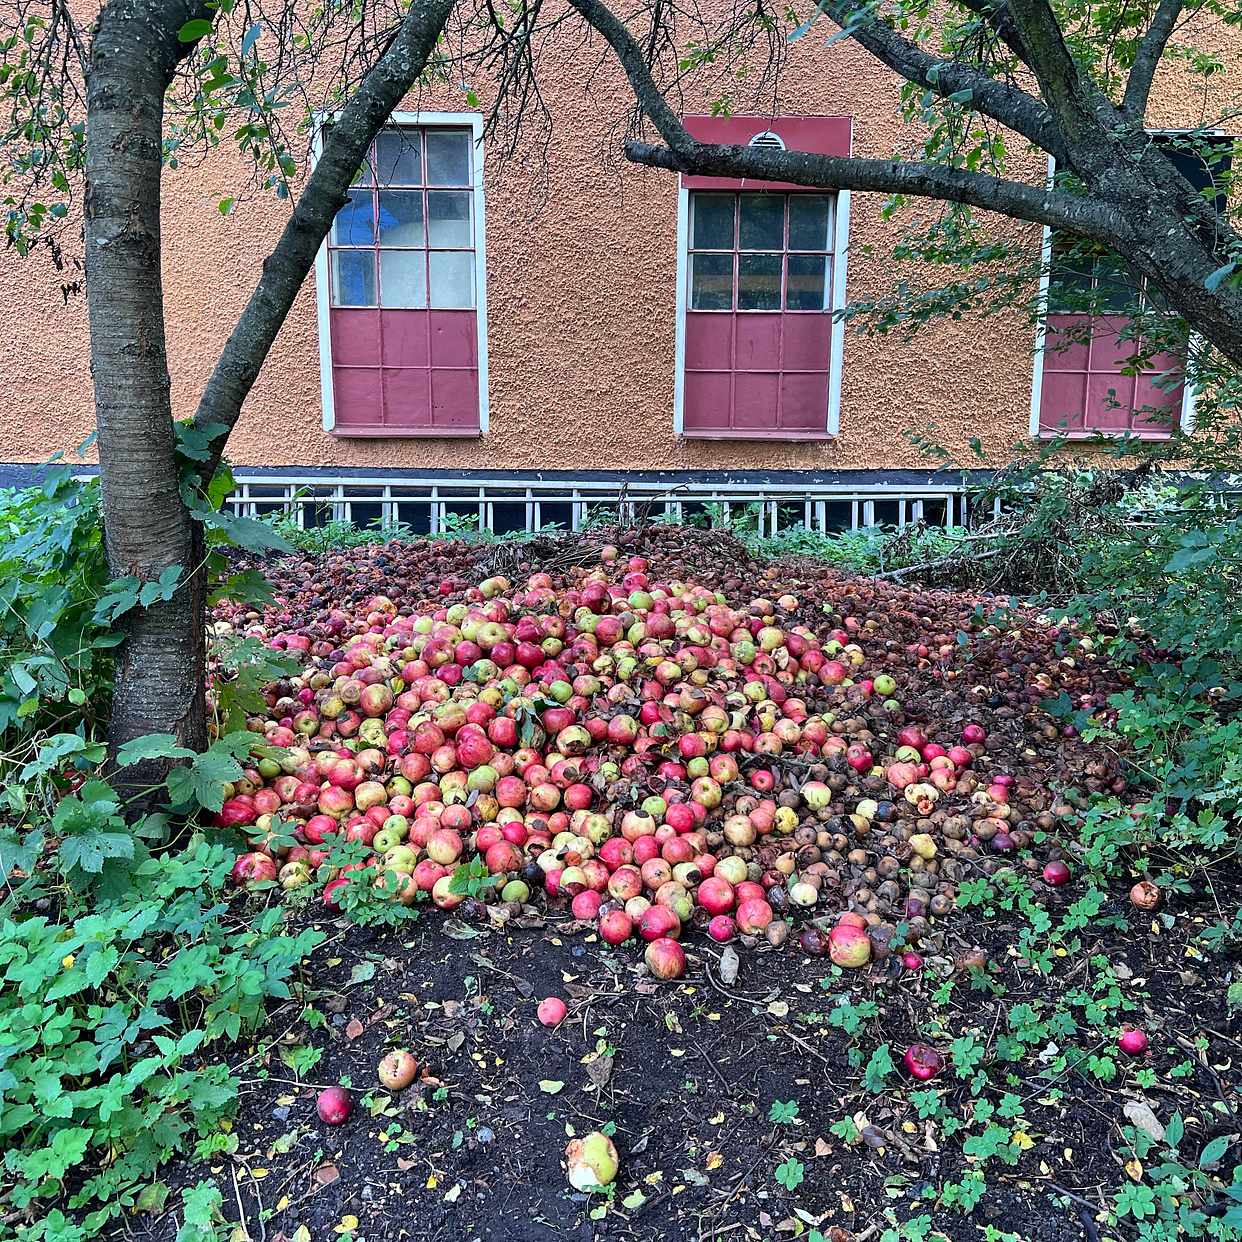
(135, 52)
(147, 528)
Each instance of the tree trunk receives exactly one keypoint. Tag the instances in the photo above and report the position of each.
(147, 528)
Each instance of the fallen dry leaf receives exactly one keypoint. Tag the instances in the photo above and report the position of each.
(326, 1174)
(354, 1029)
(1139, 1113)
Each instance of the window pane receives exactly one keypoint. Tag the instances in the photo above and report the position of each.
(452, 279)
(354, 224)
(1116, 288)
(448, 157)
(401, 218)
(807, 282)
(397, 157)
(713, 222)
(762, 225)
(403, 278)
(759, 282)
(448, 218)
(711, 282)
(1069, 283)
(809, 216)
(353, 277)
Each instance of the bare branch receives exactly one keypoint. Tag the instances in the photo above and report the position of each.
(1147, 58)
(998, 17)
(1008, 104)
(1084, 216)
(344, 150)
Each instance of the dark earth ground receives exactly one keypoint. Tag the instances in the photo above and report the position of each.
(687, 1072)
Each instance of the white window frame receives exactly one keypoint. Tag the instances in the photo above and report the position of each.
(423, 120)
(1189, 390)
(836, 345)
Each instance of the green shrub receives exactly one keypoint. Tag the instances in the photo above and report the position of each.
(107, 1019)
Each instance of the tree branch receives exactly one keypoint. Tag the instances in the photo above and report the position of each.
(1147, 59)
(326, 191)
(1014, 108)
(1085, 216)
(683, 154)
(998, 17)
(1008, 104)
(1059, 82)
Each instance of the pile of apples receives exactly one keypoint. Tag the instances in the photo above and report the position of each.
(649, 755)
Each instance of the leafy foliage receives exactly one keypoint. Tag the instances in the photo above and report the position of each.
(106, 1020)
(55, 652)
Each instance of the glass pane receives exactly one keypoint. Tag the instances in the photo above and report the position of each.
(759, 282)
(1069, 283)
(401, 218)
(353, 277)
(713, 222)
(809, 216)
(398, 157)
(711, 282)
(448, 157)
(355, 224)
(806, 286)
(762, 225)
(1116, 288)
(448, 218)
(452, 279)
(403, 278)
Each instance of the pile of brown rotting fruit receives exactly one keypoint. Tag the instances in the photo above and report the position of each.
(661, 733)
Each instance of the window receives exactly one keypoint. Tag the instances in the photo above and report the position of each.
(1093, 374)
(402, 288)
(1098, 377)
(760, 272)
(760, 252)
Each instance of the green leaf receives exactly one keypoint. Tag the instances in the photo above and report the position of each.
(194, 30)
(1214, 280)
(163, 588)
(90, 850)
(118, 598)
(244, 532)
(791, 1174)
(152, 746)
(201, 1208)
(552, 1086)
(201, 782)
(18, 853)
(783, 1111)
(1214, 1151)
(878, 1068)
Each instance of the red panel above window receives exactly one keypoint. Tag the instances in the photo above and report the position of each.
(820, 135)
(1085, 389)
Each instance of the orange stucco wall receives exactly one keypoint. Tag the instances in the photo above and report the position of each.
(581, 275)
